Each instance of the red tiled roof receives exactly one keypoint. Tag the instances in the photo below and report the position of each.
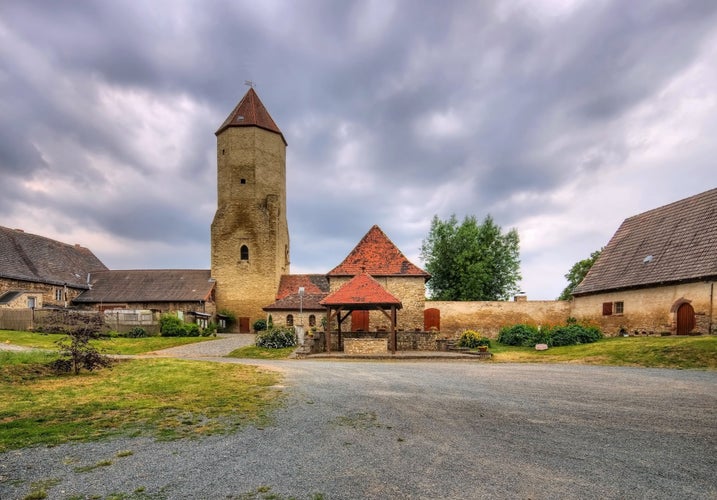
(361, 290)
(378, 256)
(250, 112)
(313, 284)
(672, 243)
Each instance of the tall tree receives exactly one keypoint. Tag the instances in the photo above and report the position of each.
(468, 261)
(577, 273)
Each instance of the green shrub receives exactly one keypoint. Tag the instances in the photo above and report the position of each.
(573, 334)
(473, 339)
(171, 326)
(137, 333)
(259, 325)
(191, 330)
(518, 335)
(277, 338)
(210, 330)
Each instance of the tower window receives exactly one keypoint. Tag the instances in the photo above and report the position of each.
(289, 320)
(243, 181)
(244, 252)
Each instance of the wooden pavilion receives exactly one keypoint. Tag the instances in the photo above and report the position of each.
(361, 293)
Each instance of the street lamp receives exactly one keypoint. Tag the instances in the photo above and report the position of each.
(301, 305)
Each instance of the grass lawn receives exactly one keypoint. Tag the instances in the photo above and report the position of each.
(115, 345)
(254, 352)
(164, 398)
(658, 352)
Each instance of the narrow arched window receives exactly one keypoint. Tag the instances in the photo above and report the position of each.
(289, 320)
(244, 252)
(312, 320)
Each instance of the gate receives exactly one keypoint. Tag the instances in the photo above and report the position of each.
(685, 319)
(432, 319)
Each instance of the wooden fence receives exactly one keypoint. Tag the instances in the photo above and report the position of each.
(16, 319)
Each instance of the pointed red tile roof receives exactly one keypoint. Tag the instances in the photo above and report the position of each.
(250, 112)
(361, 290)
(378, 256)
(313, 284)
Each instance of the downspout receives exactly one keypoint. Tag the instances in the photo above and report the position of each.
(712, 295)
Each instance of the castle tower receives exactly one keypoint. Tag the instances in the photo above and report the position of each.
(250, 234)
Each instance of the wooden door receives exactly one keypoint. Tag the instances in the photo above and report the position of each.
(359, 321)
(685, 319)
(431, 319)
(244, 325)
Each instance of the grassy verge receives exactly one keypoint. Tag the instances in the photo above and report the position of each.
(657, 352)
(116, 345)
(164, 398)
(254, 352)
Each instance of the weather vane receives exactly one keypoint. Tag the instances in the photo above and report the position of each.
(249, 83)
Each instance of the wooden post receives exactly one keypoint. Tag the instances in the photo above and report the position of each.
(327, 333)
(394, 339)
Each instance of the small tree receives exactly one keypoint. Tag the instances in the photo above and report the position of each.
(577, 274)
(77, 353)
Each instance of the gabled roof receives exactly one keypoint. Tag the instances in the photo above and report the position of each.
(316, 287)
(250, 112)
(148, 285)
(29, 257)
(361, 290)
(672, 243)
(378, 256)
(313, 284)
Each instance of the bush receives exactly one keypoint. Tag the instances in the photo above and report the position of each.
(172, 326)
(137, 333)
(259, 325)
(277, 337)
(77, 353)
(528, 336)
(518, 335)
(472, 339)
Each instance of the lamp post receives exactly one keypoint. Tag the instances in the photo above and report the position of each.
(300, 330)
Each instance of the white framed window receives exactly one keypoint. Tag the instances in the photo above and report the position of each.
(58, 294)
(618, 307)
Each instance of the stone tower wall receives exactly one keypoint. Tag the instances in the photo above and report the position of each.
(251, 189)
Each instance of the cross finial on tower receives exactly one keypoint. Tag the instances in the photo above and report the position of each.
(249, 83)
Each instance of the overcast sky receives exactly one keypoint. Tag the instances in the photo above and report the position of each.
(559, 118)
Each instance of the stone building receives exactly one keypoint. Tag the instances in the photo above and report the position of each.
(37, 272)
(657, 273)
(250, 233)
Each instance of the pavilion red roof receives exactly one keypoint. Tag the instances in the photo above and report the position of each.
(377, 255)
(361, 290)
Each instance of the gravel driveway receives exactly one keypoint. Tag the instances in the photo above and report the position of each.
(423, 429)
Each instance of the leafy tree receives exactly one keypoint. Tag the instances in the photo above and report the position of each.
(469, 261)
(577, 273)
(76, 353)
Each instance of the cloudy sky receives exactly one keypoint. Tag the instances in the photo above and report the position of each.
(560, 118)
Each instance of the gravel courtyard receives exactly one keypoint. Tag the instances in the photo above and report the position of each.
(421, 429)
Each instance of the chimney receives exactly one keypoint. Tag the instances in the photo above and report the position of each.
(521, 297)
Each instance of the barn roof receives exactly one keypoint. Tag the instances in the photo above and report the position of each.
(672, 243)
(29, 257)
(362, 290)
(250, 112)
(377, 255)
(149, 285)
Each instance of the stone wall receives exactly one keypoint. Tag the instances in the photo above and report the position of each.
(488, 318)
(45, 293)
(365, 346)
(251, 211)
(651, 310)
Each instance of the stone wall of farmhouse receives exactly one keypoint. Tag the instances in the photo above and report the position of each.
(251, 213)
(651, 310)
(489, 317)
(162, 307)
(45, 294)
(410, 290)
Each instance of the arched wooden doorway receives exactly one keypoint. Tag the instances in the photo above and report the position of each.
(685, 319)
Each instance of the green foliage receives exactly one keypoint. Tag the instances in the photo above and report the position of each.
(277, 338)
(473, 339)
(76, 353)
(577, 274)
(137, 333)
(528, 335)
(171, 326)
(259, 325)
(468, 261)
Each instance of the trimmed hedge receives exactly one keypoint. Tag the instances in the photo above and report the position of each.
(528, 335)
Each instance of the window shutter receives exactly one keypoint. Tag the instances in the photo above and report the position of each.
(607, 308)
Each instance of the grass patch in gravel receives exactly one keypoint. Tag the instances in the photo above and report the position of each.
(254, 352)
(655, 352)
(115, 345)
(163, 398)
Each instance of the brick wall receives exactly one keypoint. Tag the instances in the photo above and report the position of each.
(651, 310)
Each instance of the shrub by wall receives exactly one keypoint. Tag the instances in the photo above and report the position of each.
(528, 336)
(277, 337)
